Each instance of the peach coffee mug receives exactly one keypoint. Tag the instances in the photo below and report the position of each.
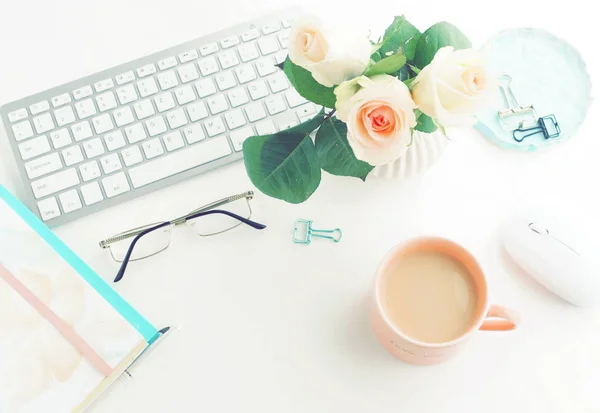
(401, 345)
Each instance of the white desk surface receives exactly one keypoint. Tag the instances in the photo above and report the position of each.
(268, 326)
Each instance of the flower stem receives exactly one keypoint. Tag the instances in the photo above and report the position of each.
(329, 115)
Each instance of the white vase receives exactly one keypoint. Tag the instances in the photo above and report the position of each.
(424, 151)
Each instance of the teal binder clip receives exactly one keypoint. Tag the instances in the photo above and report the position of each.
(304, 232)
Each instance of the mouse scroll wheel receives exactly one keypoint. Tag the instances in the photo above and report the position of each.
(538, 228)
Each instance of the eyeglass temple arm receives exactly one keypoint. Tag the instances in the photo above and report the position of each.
(246, 221)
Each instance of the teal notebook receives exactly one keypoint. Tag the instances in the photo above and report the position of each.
(65, 334)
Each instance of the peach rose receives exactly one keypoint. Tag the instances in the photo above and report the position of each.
(330, 55)
(454, 87)
(379, 114)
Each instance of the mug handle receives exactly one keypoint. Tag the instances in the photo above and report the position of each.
(500, 318)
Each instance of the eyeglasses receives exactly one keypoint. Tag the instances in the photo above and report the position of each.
(151, 239)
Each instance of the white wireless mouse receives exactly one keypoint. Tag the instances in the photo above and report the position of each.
(555, 253)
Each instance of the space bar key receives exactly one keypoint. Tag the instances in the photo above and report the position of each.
(179, 161)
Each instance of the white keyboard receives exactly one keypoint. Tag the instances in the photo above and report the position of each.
(138, 127)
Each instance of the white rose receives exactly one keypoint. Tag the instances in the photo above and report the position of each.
(379, 114)
(331, 55)
(454, 87)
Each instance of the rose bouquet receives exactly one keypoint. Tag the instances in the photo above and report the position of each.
(374, 96)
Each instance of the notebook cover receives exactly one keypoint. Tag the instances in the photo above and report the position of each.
(65, 334)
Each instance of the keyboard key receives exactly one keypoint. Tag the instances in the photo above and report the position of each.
(72, 155)
(156, 126)
(90, 171)
(268, 45)
(125, 78)
(43, 123)
(17, 115)
(239, 136)
(188, 73)
(167, 80)
(135, 133)
(114, 140)
(55, 183)
(176, 118)
(70, 201)
(93, 148)
(217, 104)
(127, 94)
(64, 116)
(115, 185)
(214, 126)
(235, 119)
(306, 112)
(258, 89)
(209, 49)
(91, 193)
(255, 111)
(287, 124)
(238, 97)
(245, 73)
(123, 116)
(39, 107)
(250, 35)
(230, 42)
(173, 141)
(284, 38)
(43, 166)
(278, 82)
(208, 66)
(280, 56)
(48, 209)
(228, 59)
(132, 156)
(61, 100)
(265, 127)
(22, 130)
(293, 98)
(266, 66)
(225, 80)
(275, 104)
(146, 70)
(205, 87)
(270, 28)
(188, 56)
(185, 94)
(153, 148)
(103, 85)
(60, 138)
(82, 130)
(34, 147)
(85, 108)
(287, 23)
(83, 92)
(103, 123)
(144, 109)
(179, 161)
(193, 133)
(147, 87)
(167, 63)
(107, 101)
(111, 163)
(197, 111)
(164, 101)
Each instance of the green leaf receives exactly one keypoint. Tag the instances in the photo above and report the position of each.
(388, 65)
(400, 37)
(285, 165)
(437, 36)
(307, 86)
(409, 82)
(334, 151)
(425, 124)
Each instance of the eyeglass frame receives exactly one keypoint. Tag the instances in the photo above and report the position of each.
(138, 233)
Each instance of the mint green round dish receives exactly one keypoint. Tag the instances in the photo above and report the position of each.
(547, 72)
